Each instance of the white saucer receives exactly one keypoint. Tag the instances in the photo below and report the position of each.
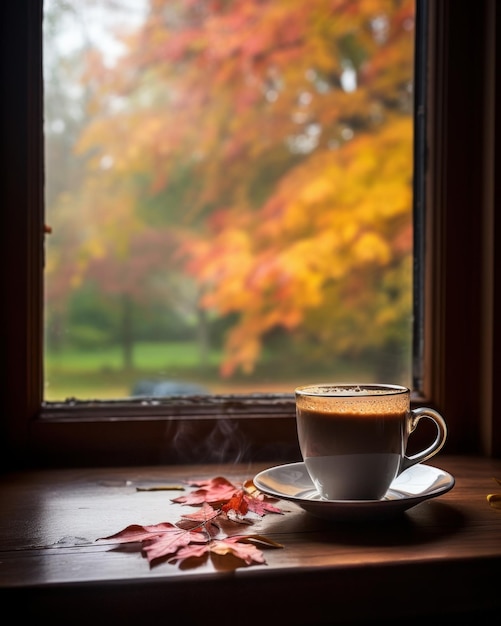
(292, 482)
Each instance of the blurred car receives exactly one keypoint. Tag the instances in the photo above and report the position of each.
(165, 388)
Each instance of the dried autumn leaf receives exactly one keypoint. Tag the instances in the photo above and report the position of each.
(163, 546)
(494, 499)
(205, 514)
(182, 544)
(251, 488)
(136, 532)
(213, 491)
(233, 497)
(260, 503)
(247, 552)
(261, 506)
(199, 533)
(241, 547)
(158, 540)
(191, 551)
(241, 503)
(237, 503)
(205, 518)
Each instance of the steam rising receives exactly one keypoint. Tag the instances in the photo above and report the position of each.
(199, 441)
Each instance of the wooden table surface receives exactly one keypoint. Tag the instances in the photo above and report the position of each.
(441, 557)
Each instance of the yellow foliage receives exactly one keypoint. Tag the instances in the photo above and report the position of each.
(290, 195)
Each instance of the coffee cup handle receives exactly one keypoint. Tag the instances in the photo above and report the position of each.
(438, 443)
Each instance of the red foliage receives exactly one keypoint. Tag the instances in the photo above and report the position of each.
(199, 534)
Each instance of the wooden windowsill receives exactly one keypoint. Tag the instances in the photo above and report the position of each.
(442, 557)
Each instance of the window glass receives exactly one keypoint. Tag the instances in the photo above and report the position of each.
(229, 189)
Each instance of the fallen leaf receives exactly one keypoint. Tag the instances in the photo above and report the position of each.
(159, 540)
(159, 547)
(241, 547)
(494, 499)
(241, 503)
(213, 491)
(200, 533)
(261, 506)
(135, 532)
(237, 503)
(205, 518)
(251, 488)
(205, 514)
(247, 552)
(190, 551)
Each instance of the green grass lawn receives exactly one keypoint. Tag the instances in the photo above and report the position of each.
(100, 374)
(149, 356)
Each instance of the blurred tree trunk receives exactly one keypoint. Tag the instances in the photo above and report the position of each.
(127, 332)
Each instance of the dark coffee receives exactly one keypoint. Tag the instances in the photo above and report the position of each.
(351, 456)
(325, 434)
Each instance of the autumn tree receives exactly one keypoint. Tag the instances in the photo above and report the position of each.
(271, 143)
(100, 244)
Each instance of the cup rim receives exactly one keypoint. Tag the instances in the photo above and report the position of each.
(349, 390)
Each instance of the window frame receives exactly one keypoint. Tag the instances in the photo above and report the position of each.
(461, 345)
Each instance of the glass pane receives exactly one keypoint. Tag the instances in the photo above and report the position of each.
(229, 192)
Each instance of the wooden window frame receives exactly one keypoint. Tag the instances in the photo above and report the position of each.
(461, 346)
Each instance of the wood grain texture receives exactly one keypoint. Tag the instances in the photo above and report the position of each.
(441, 558)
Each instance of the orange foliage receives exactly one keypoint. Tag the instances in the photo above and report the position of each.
(286, 189)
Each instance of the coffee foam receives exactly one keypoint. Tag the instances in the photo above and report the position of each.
(351, 390)
(360, 399)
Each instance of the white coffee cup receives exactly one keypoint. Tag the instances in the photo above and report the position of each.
(353, 437)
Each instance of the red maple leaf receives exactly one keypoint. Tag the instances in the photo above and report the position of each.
(260, 506)
(238, 503)
(165, 540)
(241, 503)
(162, 546)
(199, 533)
(203, 519)
(205, 514)
(158, 540)
(136, 532)
(236, 499)
(213, 491)
(241, 547)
